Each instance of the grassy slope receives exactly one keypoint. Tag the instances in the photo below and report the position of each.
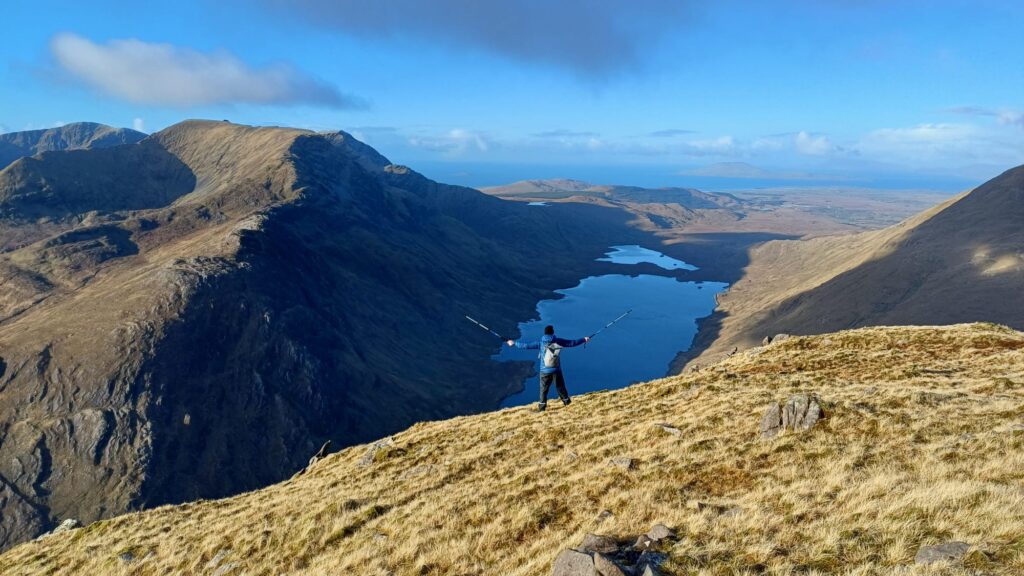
(916, 449)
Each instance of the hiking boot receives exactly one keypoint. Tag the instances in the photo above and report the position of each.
(566, 401)
(540, 408)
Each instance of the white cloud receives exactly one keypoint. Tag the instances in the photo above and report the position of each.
(139, 125)
(1004, 116)
(813, 145)
(162, 74)
(453, 142)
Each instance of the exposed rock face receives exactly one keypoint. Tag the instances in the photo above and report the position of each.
(193, 315)
(78, 135)
(800, 413)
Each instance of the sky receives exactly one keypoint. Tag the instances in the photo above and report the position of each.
(650, 92)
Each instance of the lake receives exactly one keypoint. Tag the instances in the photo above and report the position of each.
(638, 348)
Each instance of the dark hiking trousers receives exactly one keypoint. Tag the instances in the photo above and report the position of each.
(545, 385)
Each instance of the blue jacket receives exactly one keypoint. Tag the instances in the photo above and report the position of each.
(544, 341)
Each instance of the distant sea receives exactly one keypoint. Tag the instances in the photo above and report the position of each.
(483, 175)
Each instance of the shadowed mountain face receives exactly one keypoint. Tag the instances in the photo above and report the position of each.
(192, 315)
(73, 136)
(960, 262)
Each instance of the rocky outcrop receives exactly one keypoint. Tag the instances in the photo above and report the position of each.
(600, 555)
(799, 414)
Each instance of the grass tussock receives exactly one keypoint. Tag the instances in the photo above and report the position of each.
(918, 447)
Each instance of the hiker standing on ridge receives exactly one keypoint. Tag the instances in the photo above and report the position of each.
(550, 347)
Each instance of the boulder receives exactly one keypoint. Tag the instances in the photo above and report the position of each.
(606, 566)
(598, 543)
(771, 421)
(66, 526)
(947, 552)
(573, 563)
(800, 413)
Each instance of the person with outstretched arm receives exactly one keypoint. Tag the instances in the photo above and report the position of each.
(550, 347)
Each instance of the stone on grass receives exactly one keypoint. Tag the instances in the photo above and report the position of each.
(66, 526)
(606, 566)
(624, 462)
(669, 429)
(947, 552)
(598, 543)
(771, 421)
(370, 456)
(573, 563)
(660, 532)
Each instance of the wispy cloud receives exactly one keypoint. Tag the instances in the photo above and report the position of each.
(166, 75)
(1004, 116)
(592, 38)
(561, 133)
(453, 143)
(669, 133)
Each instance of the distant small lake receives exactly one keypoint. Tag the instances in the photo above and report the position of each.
(536, 203)
(638, 348)
(638, 255)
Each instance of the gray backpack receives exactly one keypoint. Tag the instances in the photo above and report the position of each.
(549, 356)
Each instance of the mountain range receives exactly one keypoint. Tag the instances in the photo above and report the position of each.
(194, 314)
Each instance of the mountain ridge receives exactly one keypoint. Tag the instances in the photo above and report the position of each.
(919, 445)
(245, 279)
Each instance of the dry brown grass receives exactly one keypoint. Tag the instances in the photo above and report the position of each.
(916, 449)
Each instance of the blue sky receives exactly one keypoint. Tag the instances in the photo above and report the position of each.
(639, 91)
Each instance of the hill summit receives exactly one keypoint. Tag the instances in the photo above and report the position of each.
(872, 451)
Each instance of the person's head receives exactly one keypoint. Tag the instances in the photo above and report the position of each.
(549, 330)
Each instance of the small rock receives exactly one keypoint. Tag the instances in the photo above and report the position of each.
(603, 515)
(660, 532)
(573, 563)
(380, 538)
(643, 542)
(767, 340)
(606, 567)
(779, 338)
(732, 352)
(948, 552)
(67, 525)
(668, 428)
(371, 453)
(217, 559)
(624, 462)
(598, 543)
(126, 557)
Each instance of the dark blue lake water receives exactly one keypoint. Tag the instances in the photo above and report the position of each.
(636, 349)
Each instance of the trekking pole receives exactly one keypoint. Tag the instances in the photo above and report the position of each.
(486, 328)
(624, 314)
